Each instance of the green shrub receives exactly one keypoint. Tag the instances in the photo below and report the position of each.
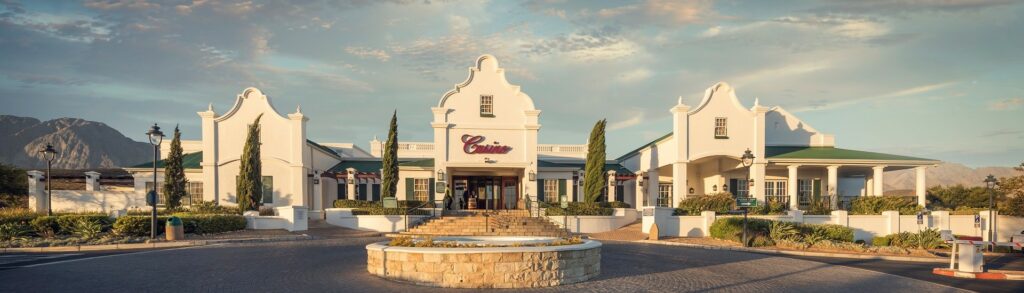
(615, 205)
(731, 228)
(580, 209)
(957, 196)
(46, 226)
(68, 223)
(818, 207)
(770, 207)
(14, 230)
(86, 228)
(829, 231)
(929, 239)
(881, 240)
(210, 223)
(719, 203)
(354, 204)
(210, 207)
(760, 240)
(414, 203)
(17, 215)
(875, 205)
(780, 230)
(136, 225)
(1013, 206)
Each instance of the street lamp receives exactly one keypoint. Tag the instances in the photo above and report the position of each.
(155, 137)
(990, 184)
(747, 160)
(49, 154)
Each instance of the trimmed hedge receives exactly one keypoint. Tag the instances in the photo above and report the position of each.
(875, 205)
(615, 205)
(828, 231)
(195, 224)
(719, 203)
(353, 203)
(581, 209)
(731, 228)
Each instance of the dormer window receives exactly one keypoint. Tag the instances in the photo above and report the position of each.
(486, 106)
(721, 128)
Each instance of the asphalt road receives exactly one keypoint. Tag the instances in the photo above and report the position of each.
(340, 266)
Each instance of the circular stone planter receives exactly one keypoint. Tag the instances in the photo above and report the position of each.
(487, 267)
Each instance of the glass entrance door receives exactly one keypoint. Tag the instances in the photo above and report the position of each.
(488, 192)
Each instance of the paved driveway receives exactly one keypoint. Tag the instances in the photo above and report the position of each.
(339, 265)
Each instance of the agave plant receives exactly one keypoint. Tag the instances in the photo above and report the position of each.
(87, 229)
(779, 230)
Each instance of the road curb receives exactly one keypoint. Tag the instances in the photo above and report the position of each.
(800, 253)
(154, 245)
(990, 275)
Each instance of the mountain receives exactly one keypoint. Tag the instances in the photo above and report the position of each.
(946, 174)
(80, 144)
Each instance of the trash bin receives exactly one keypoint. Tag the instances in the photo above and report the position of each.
(175, 229)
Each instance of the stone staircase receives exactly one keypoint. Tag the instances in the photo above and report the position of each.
(489, 223)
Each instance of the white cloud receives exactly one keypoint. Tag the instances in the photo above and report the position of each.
(894, 94)
(664, 12)
(711, 32)
(635, 119)
(363, 52)
(1006, 105)
(635, 75)
(458, 24)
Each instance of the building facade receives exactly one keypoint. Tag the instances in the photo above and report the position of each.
(485, 154)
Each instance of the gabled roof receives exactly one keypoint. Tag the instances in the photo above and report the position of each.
(188, 161)
(328, 150)
(641, 148)
(832, 153)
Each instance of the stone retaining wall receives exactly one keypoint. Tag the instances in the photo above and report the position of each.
(499, 267)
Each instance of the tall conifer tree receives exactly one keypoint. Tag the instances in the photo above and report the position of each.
(594, 178)
(174, 174)
(249, 187)
(389, 176)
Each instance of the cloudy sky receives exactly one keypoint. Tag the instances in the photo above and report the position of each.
(941, 79)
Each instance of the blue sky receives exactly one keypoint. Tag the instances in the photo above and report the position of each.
(939, 79)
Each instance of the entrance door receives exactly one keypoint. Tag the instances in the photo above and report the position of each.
(510, 192)
(487, 192)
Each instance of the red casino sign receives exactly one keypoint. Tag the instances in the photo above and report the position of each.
(473, 144)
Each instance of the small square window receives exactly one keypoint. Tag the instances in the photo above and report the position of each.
(487, 106)
(721, 128)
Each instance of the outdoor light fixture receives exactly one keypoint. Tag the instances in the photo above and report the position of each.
(533, 176)
(725, 187)
(49, 154)
(155, 137)
(714, 188)
(692, 190)
(990, 184)
(748, 158)
(440, 174)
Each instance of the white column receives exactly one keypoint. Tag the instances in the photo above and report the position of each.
(757, 173)
(350, 186)
(639, 201)
(920, 189)
(792, 188)
(37, 200)
(652, 186)
(876, 179)
(92, 181)
(611, 186)
(833, 185)
(679, 183)
(211, 186)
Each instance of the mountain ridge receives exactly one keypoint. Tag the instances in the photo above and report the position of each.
(80, 143)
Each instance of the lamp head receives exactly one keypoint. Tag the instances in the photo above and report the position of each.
(49, 153)
(747, 158)
(155, 135)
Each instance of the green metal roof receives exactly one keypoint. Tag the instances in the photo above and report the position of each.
(323, 148)
(418, 163)
(188, 161)
(832, 153)
(637, 150)
(608, 165)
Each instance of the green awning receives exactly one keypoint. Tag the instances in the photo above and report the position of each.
(188, 161)
(608, 166)
(831, 153)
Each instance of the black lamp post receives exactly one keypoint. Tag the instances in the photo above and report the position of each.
(49, 154)
(747, 160)
(155, 137)
(990, 184)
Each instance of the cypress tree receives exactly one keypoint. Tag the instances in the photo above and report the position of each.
(389, 174)
(594, 178)
(174, 174)
(249, 187)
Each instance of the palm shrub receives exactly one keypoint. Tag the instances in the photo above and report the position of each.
(46, 226)
(594, 180)
(770, 207)
(875, 205)
(86, 228)
(68, 224)
(13, 231)
(780, 230)
(389, 162)
(719, 203)
(174, 174)
(249, 187)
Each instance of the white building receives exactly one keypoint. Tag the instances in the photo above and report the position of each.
(485, 150)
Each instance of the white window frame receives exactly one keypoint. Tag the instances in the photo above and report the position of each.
(721, 127)
(664, 195)
(486, 105)
(742, 187)
(551, 190)
(805, 189)
(775, 187)
(421, 189)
